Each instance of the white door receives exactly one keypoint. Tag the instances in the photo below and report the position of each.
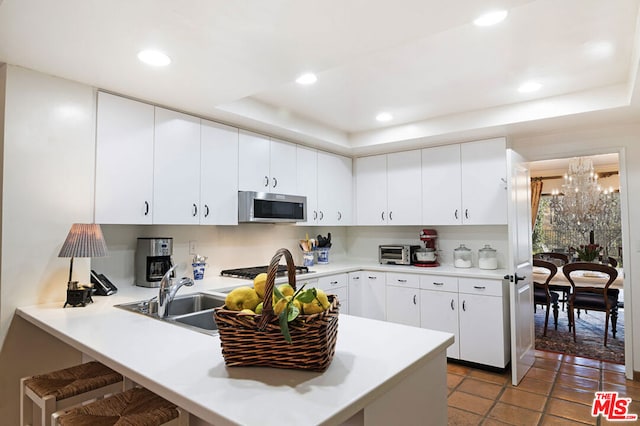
(521, 285)
(218, 174)
(403, 305)
(404, 188)
(334, 189)
(371, 190)
(254, 153)
(439, 311)
(282, 167)
(441, 193)
(307, 181)
(176, 168)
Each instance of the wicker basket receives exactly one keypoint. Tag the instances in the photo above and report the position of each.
(256, 340)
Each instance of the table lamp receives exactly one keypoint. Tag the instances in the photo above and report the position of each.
(84, 240)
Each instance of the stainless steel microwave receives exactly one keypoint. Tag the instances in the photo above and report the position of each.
(271, 208)
(400, 254)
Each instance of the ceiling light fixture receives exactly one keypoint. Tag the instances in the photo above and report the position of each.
(154, 58)
(384, 116)
(490, 18)
(529, 86)
(307, 78)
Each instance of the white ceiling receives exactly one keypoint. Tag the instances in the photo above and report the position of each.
(423, 61)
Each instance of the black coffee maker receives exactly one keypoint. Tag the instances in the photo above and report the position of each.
(153, 260)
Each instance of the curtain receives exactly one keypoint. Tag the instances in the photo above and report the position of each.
(536, 192)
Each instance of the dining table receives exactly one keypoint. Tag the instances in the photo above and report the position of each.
(592, 278)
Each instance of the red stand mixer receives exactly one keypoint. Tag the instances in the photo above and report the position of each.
(427, 256)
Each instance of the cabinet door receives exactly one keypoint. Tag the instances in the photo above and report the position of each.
(439, 311)
(282, 167)
(404, 188)
(337, 285)
(335, 183)
(124, 161)
(368, 298)
(484, 185)
(176, 168)
(371, 190)
(218, 174)
(307, 181)
(441, 194)
(254, 160)
(482, 329)
(403, 305)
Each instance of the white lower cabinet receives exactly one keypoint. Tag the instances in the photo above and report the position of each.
(403, 299)
(475, 311)
(367, 294)
(338, 285)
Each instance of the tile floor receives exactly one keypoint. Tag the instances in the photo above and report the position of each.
(558, 390)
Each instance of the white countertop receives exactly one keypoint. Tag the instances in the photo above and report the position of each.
(187, 367)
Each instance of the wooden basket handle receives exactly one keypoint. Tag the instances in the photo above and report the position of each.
(267, 308)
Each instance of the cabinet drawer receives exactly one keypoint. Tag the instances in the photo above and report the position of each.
(332, 282)
(403, 280)
(480, 286)
(437, 282)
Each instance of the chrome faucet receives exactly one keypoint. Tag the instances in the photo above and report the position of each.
(168, 290)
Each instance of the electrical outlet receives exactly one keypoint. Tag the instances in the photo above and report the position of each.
(193, 247)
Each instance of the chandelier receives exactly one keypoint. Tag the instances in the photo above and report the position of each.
(583, 206)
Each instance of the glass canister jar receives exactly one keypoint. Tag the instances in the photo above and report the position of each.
(487, 258)
(462, 257)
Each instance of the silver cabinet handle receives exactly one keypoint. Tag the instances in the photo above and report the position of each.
(414, 299)
(206, 210)
(382, 215)
(355, 278)
(339, 216)
(146, 208)
(452, 307)
(464, 306)
(402, 281)
(275, 182)
(479, 287)
(266, 181)
(195, 210)
(321, 215)
(455, 214)
(438, 284)
(466, 213)
(373, 278)
(390, 215)
(315, 215)
(333, 282)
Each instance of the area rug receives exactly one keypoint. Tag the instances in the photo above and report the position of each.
(589, 336)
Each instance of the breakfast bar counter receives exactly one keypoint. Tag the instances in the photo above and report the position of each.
(382, 373)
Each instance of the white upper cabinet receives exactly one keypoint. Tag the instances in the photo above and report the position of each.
(371, 190)
(484, 182)
(266, 165)
(307, 181)
(176, 182)
(465, 184)
(388, 189)
(124, 166)
(335, 193)
(218, 174)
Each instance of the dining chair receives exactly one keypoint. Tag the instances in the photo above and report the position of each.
(594, 298)
(543, 296)
(558, 259)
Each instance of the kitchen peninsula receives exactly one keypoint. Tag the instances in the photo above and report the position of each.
(382, 373)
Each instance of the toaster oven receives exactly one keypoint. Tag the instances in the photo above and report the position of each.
(396, 254)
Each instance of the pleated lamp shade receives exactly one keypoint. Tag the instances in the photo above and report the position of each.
(84, 240)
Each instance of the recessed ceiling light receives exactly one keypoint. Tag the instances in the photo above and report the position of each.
(307, 78)
(154, 58)
(384, 116)
(490, 18)
(529, 86)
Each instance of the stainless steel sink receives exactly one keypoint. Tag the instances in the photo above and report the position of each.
(194, 311)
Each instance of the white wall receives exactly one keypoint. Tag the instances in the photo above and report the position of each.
(47, 185)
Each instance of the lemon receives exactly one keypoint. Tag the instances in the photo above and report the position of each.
(259, 308)
(242, 298)
(247, 311)
(319, 304)
(282, 303)
(259, 283)
(286, 290)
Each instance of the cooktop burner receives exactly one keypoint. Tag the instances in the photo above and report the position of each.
(250, 273)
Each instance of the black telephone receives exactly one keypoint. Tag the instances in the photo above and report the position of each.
(102, 285)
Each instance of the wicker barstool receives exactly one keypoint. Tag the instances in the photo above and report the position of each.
(65, 388)
(134, 407)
